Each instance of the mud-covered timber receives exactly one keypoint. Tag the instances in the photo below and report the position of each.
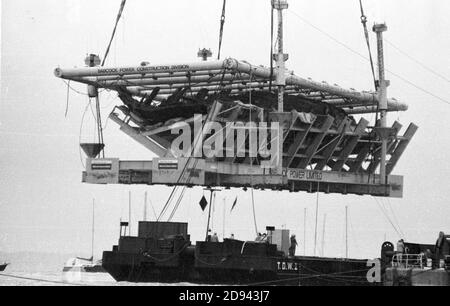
(231, 72)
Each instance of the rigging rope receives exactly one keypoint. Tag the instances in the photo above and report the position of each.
(308, 276)
(97, 102)
(81, 131)
(166, 206)
(405, 80)
(254, 214)
(119, 15)
(388, 218)
(41, 280)
(366, 34)
(317, 214)
(99, 124)
(372, 66)
(180, 198)
(73, 89)
(388, 203)
(67, 101)
(418, 62)
(222, 25)
(251, 158)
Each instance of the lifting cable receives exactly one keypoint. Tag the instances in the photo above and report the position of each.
(421, 64)
(119, 15)
(97, 99)
(181, 195)
(386, 215)
(372, 66)
(177, 205)
(99, 124)
(250, 98)
(366, 34)
(398, 76)
(254, 213)
(166, 206)
(67, 101)
(176, 188)
(222, 25)
(389, 205)
(81, 131)
(171, 197)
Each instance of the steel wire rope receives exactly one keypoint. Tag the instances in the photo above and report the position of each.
(389, 205)
(387, 217)
(42, 280)
(119, 15)
(417, 61)
(367, 59)
(183, 171)
(302, 277)
(222, 25)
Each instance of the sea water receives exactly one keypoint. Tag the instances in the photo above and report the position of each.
(37, 269)
(56, 278)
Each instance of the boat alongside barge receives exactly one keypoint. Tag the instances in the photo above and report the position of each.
(163, 252)
(420, 265)
(3, 267)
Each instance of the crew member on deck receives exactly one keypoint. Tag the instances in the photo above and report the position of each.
(264, 238)
(442, 248)
(401, 246)
(215, 238)
(293, 246)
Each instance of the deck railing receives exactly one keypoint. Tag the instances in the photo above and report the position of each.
(409, 261)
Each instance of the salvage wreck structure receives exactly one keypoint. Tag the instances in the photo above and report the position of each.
(324, 147)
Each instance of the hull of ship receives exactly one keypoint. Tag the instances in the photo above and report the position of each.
(416, 277)
(298, 271)
(3, 267)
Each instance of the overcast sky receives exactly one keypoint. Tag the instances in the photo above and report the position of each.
(45, 207)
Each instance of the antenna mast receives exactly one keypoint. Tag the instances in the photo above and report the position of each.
(304, 233)
(346, 231)
(323, 233)
(382, 130)
(209, 211)
(317, 214)
(145, 206)
(224, 214)
(280, 57)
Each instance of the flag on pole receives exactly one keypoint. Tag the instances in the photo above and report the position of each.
(203, 203)
(234, 204)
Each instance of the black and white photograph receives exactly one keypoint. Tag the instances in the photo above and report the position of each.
(225, 148)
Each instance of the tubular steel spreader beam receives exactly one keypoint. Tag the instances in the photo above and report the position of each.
(230, 72)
